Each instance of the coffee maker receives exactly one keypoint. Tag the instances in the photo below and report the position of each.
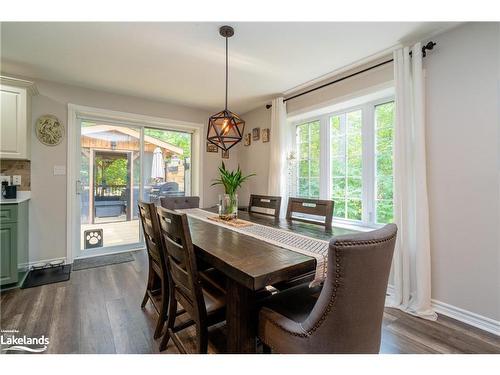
(9, 191)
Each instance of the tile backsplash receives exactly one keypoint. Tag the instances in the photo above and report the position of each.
(17, 167)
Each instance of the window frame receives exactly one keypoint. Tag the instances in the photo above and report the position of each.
(309, 155)
(368, 158)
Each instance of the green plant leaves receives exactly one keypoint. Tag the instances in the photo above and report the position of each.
(231, 180)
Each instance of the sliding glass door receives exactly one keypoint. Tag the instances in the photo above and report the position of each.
(110, 181)
(120, 164)
(167, 164)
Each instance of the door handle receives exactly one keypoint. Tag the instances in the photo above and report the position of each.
(78, 187)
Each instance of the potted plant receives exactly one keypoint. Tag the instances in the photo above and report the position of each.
(231, 180)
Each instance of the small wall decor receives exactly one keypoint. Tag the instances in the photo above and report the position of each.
(248, 139)
(93, 238)
(49, 130)
(256, 134)
(225, 154)
(212, 148)
(265, 134)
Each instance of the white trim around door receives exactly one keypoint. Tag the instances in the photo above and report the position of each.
(76, 112)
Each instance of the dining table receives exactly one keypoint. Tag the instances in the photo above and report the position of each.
(250, 264)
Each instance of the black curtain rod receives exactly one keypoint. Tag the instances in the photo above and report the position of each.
(429, 46)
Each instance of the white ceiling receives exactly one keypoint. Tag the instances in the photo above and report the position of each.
(184, 62)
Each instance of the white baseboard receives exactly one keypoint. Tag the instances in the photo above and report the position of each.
(112, 252)
(468, 317)
(464, 316)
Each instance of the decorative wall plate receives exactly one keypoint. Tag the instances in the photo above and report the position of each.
(49, 130)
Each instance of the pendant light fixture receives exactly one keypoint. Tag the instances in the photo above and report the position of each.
(225, 128)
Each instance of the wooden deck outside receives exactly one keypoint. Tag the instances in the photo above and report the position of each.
(115, 233)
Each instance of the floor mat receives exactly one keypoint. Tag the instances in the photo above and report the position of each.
(103, 260)
(47, 276)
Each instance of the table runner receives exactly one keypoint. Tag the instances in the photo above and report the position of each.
(299, 243)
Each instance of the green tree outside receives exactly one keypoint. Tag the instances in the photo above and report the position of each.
(384, 126)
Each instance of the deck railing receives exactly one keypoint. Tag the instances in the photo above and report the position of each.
(109, 190)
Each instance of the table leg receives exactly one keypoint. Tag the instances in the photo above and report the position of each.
(241, 318)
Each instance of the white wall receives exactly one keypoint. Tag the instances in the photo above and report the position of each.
(463, 165)
(342, 91)
(255, 158)
(48, 203)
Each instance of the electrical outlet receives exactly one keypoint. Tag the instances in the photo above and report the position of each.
(16, 180)
(5, 178)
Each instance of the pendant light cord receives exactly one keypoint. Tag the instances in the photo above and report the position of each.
(226, 72)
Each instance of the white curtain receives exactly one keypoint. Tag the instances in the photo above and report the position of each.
(277, 181)
(411, 264)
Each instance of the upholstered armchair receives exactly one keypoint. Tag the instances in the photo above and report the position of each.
(345, 314)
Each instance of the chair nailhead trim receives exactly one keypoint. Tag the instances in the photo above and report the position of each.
(363, 243)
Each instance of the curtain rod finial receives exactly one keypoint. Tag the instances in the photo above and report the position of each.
(428, 47)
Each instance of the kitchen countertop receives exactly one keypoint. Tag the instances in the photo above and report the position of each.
(22, 196)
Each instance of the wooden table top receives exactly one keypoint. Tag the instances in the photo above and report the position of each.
(252, 262)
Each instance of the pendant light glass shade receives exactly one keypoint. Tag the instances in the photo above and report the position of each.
(225, 128)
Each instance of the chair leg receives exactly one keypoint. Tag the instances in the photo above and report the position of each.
(172, 312)
(145, 299)
(162, 314)
(159, 327)
(266, 349)
(149, 285)
(201, 339)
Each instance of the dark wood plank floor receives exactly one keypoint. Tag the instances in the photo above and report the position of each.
(98, 311)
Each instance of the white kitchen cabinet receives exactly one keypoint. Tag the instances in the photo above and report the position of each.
(15, 117)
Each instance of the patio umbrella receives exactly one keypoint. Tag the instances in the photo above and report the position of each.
(158, 167)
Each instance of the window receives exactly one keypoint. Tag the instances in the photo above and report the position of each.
(384, 135)
(347, 156)
(346, 164)
(308, 160)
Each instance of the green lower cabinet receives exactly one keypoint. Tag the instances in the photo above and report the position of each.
(13, 243)
(8, 259)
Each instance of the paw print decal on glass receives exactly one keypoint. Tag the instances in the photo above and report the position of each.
(93, 238)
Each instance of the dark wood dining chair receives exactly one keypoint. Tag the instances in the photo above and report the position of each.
(202, 300)
(179, 203)
(265, 203)
(321, 208)
(316, 207)
(174, 203)
(157, 284)
(345, 314)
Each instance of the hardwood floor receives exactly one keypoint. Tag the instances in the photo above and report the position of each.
(98, 311)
